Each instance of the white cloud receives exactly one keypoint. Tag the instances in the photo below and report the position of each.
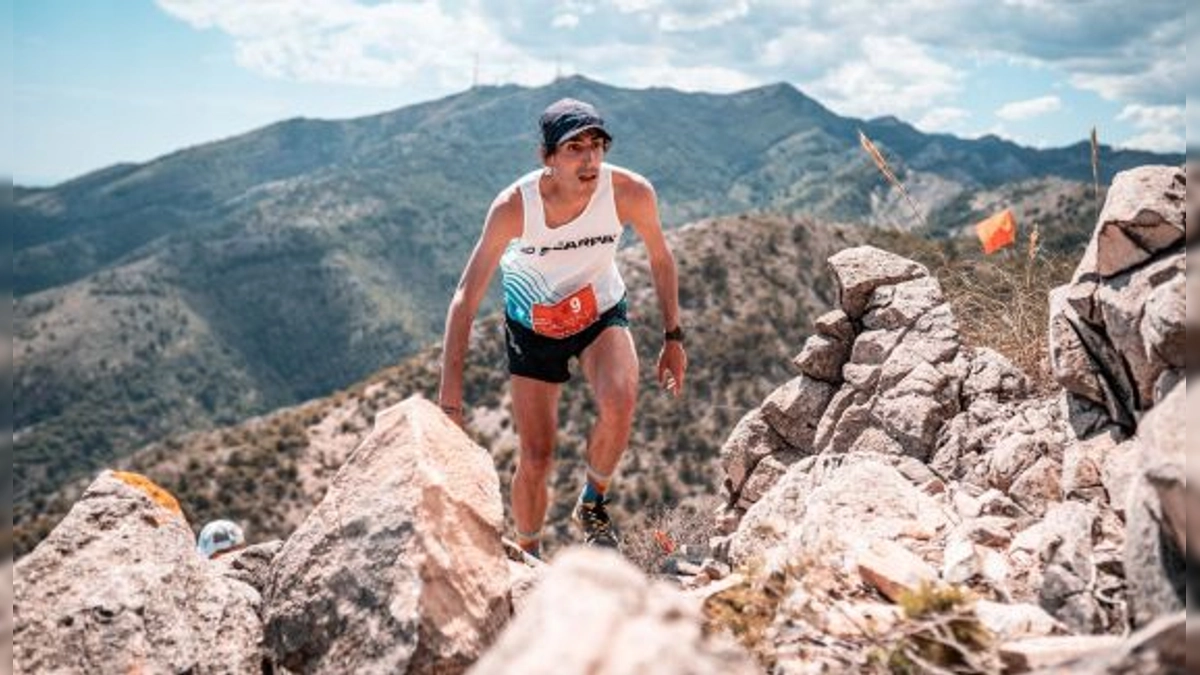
(893, 75)
(1156, 141)
(947, 118)
(1160, 128)
(691, 78)
(800, 46)
(681, 19)
(341, 41)
(1159, 83)
(565, 21)
(1024, 110)
(1144, 116)
(686, 15)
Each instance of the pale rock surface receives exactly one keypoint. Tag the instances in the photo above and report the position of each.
(401, 567)
(1017, 621)
(806, 510)
(6, 610)
(859, 271)
(1143, 214)
(1055, 652)
(594, 612)
(250, 565)
(119, 587)
(893, 569)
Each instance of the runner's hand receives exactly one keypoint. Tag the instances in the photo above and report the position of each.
(672, 364)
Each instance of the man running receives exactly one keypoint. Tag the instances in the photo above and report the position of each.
(554, 234)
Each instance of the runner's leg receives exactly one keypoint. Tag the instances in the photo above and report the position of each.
(535, 415)
(610, 365)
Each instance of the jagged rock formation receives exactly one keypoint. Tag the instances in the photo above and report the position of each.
(1117, 330)
(912, 458)
(905, 497)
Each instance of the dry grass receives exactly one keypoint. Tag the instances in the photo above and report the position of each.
(886, 169)
(684, 530)
(941, 634)
(1002, 300)
(747, 610)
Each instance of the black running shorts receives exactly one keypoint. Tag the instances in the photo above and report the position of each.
(545, 358)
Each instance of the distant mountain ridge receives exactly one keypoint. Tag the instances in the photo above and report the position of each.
(241, 275)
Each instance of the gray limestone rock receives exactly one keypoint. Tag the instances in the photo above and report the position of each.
(119, 587)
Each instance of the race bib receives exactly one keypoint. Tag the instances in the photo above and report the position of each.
(567, 317)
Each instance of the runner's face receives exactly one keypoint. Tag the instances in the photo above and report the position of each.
(580, 157)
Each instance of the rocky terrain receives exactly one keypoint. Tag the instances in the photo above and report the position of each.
(907, 503)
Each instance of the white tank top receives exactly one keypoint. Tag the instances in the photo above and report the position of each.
(558, 281)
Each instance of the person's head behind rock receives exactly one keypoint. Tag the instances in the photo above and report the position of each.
(220, 536)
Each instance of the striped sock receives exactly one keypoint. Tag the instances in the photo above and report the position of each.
(595, 487)
(530, 542)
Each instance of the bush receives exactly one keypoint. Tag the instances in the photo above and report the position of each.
(684, 529)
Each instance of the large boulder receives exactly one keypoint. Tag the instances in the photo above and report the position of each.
(905, 370)
(859, 271)
(594, 612)
(1156, 514)
(1142, 319)
(401, 567)
(1117, 331)
(118, 586)
(1143, 215)
(804, 514)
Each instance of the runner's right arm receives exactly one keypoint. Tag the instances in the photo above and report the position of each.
(503, 224)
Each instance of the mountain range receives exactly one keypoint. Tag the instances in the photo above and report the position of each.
(229, 279)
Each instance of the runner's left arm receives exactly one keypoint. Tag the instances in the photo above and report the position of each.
(638, 206)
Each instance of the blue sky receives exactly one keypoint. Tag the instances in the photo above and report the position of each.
(96, 82)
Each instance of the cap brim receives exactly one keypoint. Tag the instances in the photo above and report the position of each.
(575, 132)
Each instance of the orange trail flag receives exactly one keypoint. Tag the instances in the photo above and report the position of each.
(997, 231)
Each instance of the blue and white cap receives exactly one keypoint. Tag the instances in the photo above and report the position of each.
(219, 536)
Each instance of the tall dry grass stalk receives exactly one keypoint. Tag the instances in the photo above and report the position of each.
(886, 169)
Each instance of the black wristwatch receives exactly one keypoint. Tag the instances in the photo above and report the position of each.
(675, 334)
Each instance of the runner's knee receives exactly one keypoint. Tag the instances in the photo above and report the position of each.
(535, 466)
(617, 398)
